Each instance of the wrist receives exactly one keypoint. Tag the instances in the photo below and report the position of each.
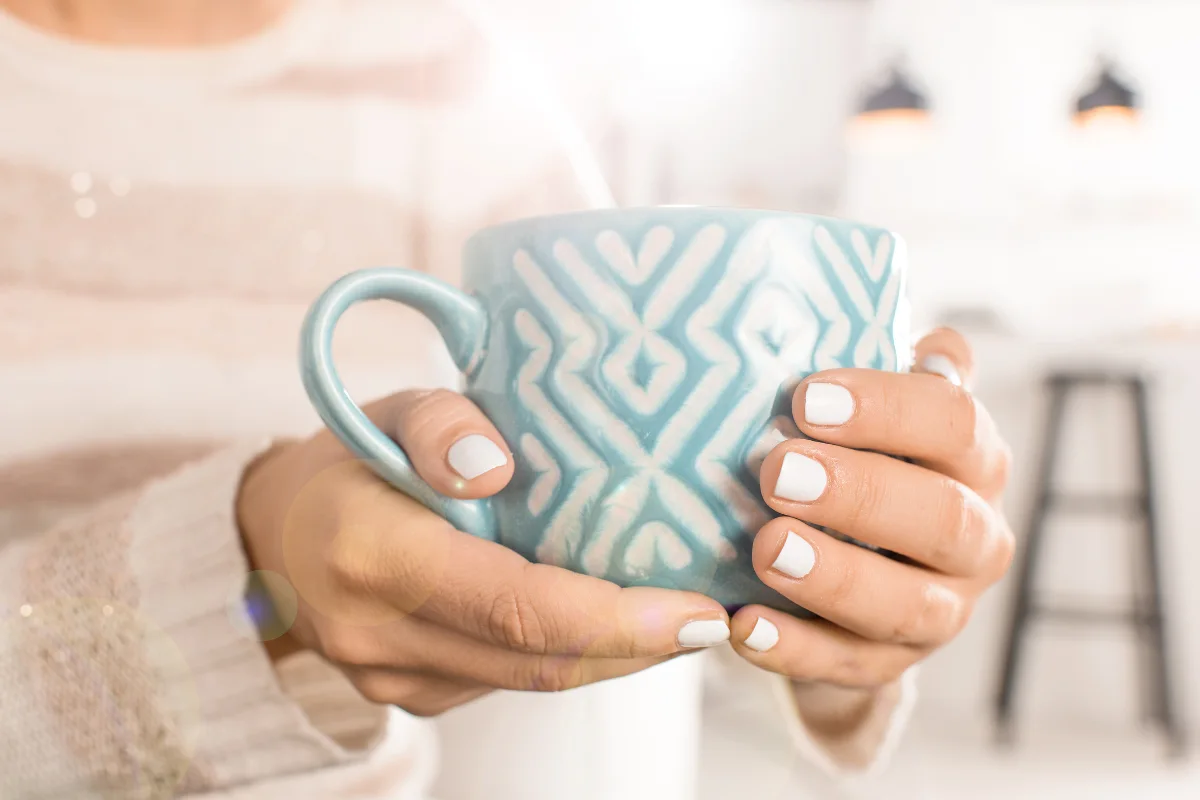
(260, 603)
(248, 514)
(835, 710)
(282, 647)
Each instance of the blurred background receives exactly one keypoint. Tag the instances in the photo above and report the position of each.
(1040, 158)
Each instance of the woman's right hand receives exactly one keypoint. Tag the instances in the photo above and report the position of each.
(426, 617)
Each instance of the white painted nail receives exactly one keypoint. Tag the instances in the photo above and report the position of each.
(801, 479)
(941, 365)
(764, 636)
(797, 557)
(827, 404)
(704, 633)
(472, 456)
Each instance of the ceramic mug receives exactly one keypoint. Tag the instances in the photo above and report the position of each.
(640, 364)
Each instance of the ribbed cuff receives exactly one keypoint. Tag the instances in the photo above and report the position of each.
(831, 728)
(187, 561)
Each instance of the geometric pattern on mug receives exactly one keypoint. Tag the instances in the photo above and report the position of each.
(798, 316)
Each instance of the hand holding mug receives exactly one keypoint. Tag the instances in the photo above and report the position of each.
(425, 617)
(940, 510)
(643, 366)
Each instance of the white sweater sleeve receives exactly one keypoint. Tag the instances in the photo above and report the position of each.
(129, 664)
(845, 733)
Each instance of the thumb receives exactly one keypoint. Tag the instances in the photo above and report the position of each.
(450, 442)
(945, 352)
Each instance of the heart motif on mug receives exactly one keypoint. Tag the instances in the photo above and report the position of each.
(636, 271)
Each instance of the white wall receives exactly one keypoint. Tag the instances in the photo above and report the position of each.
(1004, 202)
(770, 129)
(726, 100)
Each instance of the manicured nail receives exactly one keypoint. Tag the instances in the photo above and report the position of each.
(764, 636)
(940, 365)
(827, 404)
(472, 456)
(797, 557)
(704, 633)
(801, 479)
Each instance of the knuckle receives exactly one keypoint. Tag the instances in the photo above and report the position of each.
(893, 405)
(432, 413)
(423, 707)
(345, 646)
(427, 406)
(342, 562)
(377, 687)
(963, 419)
(428, 703)
(1001, 468)
(871, 497)
(559, 675)
(546, 674)
(419, 697)
(349, 566)
(859, 670)
(1004, 551)
(957, 525)
(808, 660)
(890, 670)
(514, 622)
(842, 586)
(934, 618)
(803, 666)
(850, 669)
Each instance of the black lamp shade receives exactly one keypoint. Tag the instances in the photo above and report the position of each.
(1107, 93)
(897, 95)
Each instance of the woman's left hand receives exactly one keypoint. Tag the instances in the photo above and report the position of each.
(879, 616)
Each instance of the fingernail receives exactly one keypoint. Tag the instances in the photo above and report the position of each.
(797, 557)
(472, 456)
(704, 633)
(827, 404)
(938, 364)
(801, 479)
(764, 636)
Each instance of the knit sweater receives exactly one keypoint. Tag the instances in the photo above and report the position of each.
(165, 218)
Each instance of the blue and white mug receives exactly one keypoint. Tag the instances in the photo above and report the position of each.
(640, 364)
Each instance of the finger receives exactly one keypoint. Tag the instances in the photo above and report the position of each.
(424, 566)
(450, 442)
(882, 501)
(816, 650)
(945, 352)
(413, 645)
(862, 591)
(922, 417)
(422, 695)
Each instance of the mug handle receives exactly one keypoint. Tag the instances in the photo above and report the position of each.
(462, 322)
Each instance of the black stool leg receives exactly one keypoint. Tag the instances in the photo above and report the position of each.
(1023, 606)
(1155, 619)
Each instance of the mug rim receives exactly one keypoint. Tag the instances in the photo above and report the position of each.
(744, 212)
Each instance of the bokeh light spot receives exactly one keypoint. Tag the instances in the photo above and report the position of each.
(270, 601)
(81, 182)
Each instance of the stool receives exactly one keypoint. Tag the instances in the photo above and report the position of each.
(1145, 614)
